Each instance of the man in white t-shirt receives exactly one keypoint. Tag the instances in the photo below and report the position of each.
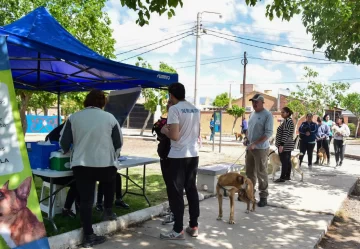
(183, 129)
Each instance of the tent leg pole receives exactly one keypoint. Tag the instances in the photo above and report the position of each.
(58, 108)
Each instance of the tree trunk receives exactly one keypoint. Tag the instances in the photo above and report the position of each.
(145, 123)
(25, 97)
(234, 125)
(46, 110)
(357, 128)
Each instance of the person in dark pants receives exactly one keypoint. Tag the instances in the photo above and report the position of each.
(244, 126)
(183, 129)
(72, 195)
(322, 140)
(340, 131)
(308, 131)
(285, 143)
(118, 195)
(96, 140)
(163, 152)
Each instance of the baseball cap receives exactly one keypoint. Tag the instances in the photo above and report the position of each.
(257, 97)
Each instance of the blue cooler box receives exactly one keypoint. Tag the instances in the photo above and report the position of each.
(39, 154)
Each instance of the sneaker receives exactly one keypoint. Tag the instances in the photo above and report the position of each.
(279, 180)
(68, 213)
(99, 208)
(262, 202)
(287, 178)
(92, 240)
(168, 219)
(310, 167)
(172, 235)
(108, 215)
(193, 232)
(120, 203)
(340, 164)
(316, 163)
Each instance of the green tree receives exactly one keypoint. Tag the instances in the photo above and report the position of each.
(221, 100)
(153, 97)
(332, 23)
(352, 103)
(144, 8)
(72, 102)
(236, 112)
(42, 100)
(86, 20)
(316, 97)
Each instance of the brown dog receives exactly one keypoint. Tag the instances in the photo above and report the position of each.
(322, 156)
(18, 225)
(231, 183)
(238, 135)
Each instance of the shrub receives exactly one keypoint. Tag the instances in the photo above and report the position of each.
(352, 128)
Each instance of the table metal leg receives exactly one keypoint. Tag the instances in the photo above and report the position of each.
(51, 204)
(144, 186)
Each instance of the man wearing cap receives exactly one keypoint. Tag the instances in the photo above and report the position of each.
(260, 129)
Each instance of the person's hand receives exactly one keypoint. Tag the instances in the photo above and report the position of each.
(165, 129)
(307, 133)
(281, 149)
(252, 146)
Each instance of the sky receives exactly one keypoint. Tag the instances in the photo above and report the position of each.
(222, 58)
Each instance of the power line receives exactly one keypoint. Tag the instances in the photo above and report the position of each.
(155, 42)
(157, 47)
(278, 51)
(268, 43)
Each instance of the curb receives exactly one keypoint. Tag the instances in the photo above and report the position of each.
(73, 238)
(356, 157)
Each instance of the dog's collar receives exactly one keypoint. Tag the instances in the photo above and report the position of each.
(272, 152)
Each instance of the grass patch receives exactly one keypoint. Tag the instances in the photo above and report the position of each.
(155, 191)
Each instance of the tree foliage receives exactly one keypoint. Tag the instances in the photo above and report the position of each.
(332, 23)
(352, 103)
(144, 8)
(221, 100)
(316, 97)
(236, 112)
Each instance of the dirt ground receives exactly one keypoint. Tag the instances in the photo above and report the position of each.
(344, 233)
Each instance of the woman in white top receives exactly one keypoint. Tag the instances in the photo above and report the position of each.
(340, 132)
(96, 140)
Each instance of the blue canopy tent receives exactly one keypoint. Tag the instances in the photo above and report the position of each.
(46, 57)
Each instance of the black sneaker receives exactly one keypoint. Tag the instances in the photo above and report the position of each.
(99, 207)
(279, 180)
(108, 214)
(68, 213)
(316, 163)
(262, 202)
(120, 203)
(340, 164)
(92, 240)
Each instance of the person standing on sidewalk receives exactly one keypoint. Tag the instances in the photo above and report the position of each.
(212, 127)
(330, 124)
(322, 140)
(244, 126)
(285, 143)
(308, 131)
(341, 131)
(184, 130)
(259, 131)
(96, 140)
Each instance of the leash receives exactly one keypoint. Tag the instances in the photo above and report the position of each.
(231, 166)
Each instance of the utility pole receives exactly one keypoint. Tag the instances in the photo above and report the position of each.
(230, 104)
(244, 62)
(198, 43)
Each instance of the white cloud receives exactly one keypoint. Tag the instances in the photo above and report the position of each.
(242, 8)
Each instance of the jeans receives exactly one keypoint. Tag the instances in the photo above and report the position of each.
(339, 148)
(118, 192)
(183, 173)
(309, 148)
(285, 158)
(86, 178)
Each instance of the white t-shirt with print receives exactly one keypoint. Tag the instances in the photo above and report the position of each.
(188, 117)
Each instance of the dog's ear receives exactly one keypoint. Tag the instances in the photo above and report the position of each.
(24, 189)
(5, 186)
(240, 179)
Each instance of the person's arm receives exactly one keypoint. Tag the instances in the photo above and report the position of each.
(346, 131)
(66, 138)
(117, 138)
(287, 131)
(301, 129)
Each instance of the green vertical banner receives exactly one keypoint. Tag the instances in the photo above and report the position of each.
(21, 223)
